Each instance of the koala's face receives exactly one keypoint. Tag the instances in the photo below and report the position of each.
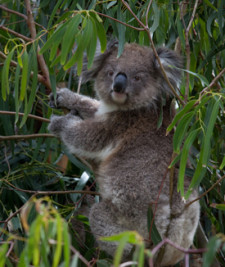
(128, 81)
(134, 79)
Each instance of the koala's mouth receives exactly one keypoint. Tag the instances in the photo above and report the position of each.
(118, 97)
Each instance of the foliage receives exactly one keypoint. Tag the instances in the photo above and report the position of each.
(37, 54)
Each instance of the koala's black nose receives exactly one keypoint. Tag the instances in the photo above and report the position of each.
(120, 83)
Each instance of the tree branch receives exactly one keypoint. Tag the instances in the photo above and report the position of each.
(22, 114)
(206, 192)
(49, 192)
(24, 137)
(40, 58)
(19, 14)
(121, 22)
(213, 81)
(25, 38)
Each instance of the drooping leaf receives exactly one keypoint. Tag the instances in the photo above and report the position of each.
(5, 75)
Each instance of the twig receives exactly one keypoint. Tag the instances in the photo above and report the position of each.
(80, 256)
(24, 137)
(188, 55)
(213, 81)
(10, 248)
(121, 22)
(146, 28)
(25, 38)
(147, 12)
(14, 214)
(19, 14)
(40, 58)
(22, 114)
(167, 241)
(206, 192)
(50, 192)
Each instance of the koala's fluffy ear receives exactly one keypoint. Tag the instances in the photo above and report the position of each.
(90, 74)
(171, 62)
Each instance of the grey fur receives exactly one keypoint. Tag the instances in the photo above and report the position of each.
(119, 132)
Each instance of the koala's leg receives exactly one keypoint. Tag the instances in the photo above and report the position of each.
(104, 222)
(65, 98)
(181, 232)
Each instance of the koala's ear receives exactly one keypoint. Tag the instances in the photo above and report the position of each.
(172, 62)
(90, 74)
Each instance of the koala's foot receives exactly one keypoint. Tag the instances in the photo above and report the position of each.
(65, 98)
(103, 222)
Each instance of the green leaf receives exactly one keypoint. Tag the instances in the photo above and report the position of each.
(155, 24)
(155, 236)
(23, 87)
(184, 157)
(5, 75)
(17, 102)
(58, 251)
(180, 114)
(66, 244)
(205, 149)
(3, 252)
(119, 250)
(141, 257)
(69, 37)
(56, 37)
(222, 164)
(74, 262)
(58, 3)
(33, 89)
(91, 48)
(209, 130)
(131, 236)
(181, 131)
(208, 3)
(213, 246)
(218, 206)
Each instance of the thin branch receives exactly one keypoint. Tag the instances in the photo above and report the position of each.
(213, 81)
(50, 192)
(206, 192)
(19, 14)
(40, 58)
(121, 22)
(23, 37)
(13, 12)
(146, 28)
(14, 214)
(24, 137)
(167, 241)
(188, 51)
(22, 114)
(10, 248)
(147, 12)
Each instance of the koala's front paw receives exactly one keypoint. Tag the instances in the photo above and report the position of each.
(56, 125)
(64, 99)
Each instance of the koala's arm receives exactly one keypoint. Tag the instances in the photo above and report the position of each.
(83, 105)
(85, 138)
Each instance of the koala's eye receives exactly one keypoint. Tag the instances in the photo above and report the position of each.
(110, 73)
(137, 78)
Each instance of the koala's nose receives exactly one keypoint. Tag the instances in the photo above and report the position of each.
(120, 83)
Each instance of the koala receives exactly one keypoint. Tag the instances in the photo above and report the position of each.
(120, 132)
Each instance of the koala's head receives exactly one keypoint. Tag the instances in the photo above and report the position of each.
(134, 79)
